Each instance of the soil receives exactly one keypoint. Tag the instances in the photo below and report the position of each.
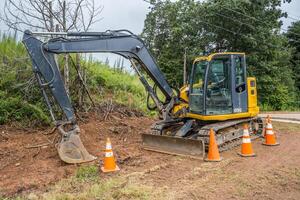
(273, 174)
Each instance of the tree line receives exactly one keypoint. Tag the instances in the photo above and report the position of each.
(250, 26)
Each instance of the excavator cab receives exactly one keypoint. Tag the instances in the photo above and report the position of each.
(219, 88)
(218, 85)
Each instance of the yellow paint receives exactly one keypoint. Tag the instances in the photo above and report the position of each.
(252, 97)
(182, 106)
(210, 57)
(218, 117)
(183, 93)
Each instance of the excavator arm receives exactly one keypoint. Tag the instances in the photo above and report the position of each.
(122, 42)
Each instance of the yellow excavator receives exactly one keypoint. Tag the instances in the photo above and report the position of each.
(219, 94)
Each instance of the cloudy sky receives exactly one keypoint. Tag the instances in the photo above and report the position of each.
(130, 14)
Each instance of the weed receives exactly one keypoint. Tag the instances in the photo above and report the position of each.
(89, 172)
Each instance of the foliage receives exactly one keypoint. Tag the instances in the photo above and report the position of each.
(246, 26)
(170, 28)
(293, 35)
(122, 87)
(21, 100)
(14, 109)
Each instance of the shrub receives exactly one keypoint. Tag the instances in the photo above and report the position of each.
(13, 109)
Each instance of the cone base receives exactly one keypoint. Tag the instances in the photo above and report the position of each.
(213, 160)
(247, 155)
(110, 170)
(276, 144)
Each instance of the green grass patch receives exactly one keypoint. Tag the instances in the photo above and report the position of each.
(121, 87)
(89, 172)
(14, 109)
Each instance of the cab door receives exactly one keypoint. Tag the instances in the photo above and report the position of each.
(197, 81)
(239, 84)
(218, 97)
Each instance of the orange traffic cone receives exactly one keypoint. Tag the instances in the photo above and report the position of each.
(213, 151)
(270, 138)
(109, 159)
(246, 150)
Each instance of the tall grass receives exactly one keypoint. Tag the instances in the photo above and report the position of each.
(22, 102)
(122, 87)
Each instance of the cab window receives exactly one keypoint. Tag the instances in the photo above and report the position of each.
(239, 71)
(197, 84)
(218, 91)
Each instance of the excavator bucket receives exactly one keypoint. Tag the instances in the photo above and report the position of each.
(71, 149)
(174, 145)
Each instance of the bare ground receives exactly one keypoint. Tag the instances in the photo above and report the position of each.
(273, 174)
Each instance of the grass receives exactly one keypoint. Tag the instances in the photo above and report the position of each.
(20, 99)
(87, 184)
(283, 127)
(84, 173)
(122, 87)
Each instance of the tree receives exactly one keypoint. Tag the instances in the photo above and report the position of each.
(52, 15)
(170, 28)
(46, 15)
(252, 27)
(293, 35)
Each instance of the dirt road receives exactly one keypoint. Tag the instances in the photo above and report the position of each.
(273, 174)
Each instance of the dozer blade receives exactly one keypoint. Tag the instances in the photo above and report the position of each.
(71, 150)
(174, 145)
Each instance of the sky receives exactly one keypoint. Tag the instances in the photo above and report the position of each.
(130, 14)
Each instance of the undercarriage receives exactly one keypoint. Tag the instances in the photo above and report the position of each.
(165, 137)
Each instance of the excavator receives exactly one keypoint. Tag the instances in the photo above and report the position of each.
(219, 94)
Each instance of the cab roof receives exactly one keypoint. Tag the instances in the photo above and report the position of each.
(210, 56)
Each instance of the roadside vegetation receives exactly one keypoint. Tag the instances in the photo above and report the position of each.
(21, 101)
